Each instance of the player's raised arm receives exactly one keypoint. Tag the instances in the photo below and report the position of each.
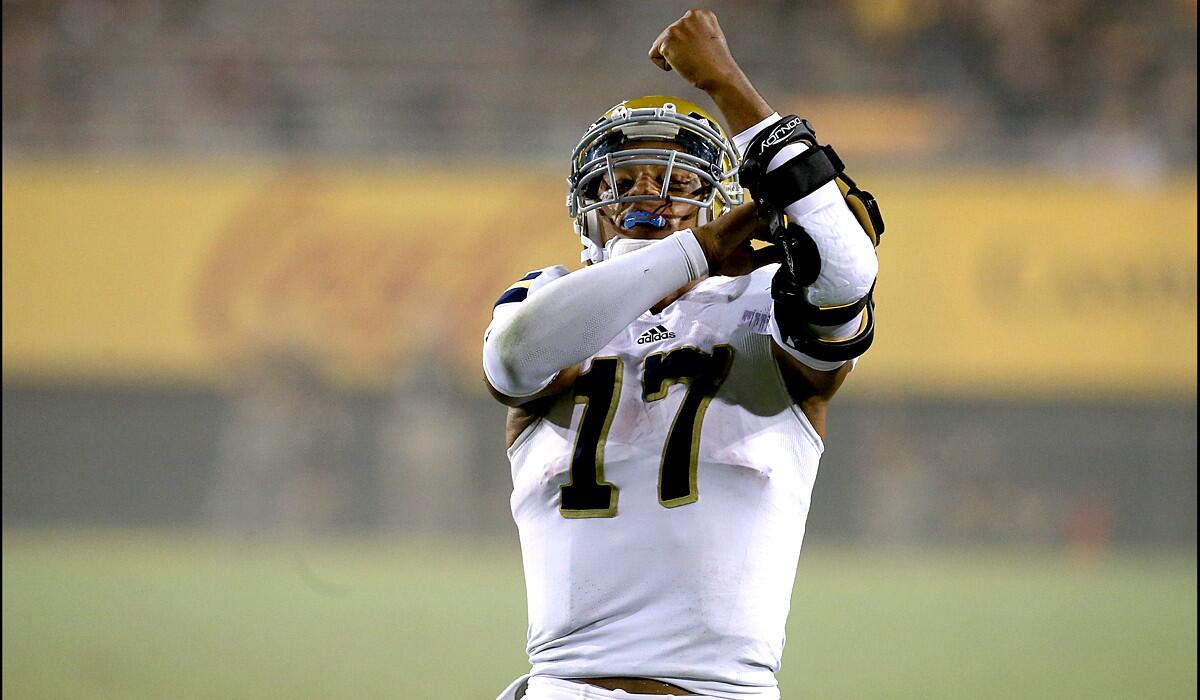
(694, 47)
(822, 311)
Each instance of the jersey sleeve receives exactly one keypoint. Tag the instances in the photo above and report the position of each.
(522, 288)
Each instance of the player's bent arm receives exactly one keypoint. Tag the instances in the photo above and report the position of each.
(695, 47)
(827, 305)
(562, 381)
(822, 312)
(559, 324)
(824, 308)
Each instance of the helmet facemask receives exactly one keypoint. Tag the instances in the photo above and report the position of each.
(610, 144)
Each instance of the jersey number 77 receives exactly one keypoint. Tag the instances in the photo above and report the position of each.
(588, 495)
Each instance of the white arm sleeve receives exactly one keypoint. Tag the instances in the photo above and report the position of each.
(848, 261)
(569, 319)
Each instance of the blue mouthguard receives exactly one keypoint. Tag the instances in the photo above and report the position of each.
(643, 217)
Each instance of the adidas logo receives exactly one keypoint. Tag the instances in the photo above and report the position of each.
(655, 334)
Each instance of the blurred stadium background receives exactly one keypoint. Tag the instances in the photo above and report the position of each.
(250, 248)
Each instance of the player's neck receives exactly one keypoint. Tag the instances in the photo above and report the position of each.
(670, 299)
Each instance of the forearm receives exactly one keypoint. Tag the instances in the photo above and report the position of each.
(738, 101)
(574, 317)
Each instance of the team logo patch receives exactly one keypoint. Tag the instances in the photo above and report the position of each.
(655, 334)
(757, 320)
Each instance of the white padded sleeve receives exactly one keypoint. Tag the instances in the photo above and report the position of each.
(848, 261)
(569, 319)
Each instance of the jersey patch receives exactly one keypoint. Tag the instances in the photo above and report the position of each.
(758, 321)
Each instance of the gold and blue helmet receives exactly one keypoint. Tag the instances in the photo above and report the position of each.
(610, 143)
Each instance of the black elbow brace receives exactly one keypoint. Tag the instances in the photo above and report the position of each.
(800, 260)
(795, 315)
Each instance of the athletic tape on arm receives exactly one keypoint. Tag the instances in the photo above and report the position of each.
(571, 318)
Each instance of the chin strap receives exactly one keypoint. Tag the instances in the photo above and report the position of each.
(591, 252)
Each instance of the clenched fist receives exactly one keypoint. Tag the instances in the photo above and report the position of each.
(694, 46)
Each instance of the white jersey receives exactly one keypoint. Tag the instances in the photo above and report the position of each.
(661, 504)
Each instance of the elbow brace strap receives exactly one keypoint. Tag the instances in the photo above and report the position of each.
(793, 180)
(802, 174)
(792, 315)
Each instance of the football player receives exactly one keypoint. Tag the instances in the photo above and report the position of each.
(667, 401)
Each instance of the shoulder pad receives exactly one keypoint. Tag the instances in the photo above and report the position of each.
(520, 289)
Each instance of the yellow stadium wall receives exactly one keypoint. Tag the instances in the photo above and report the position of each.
(992, 284)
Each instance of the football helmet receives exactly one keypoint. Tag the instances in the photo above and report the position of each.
(705, 151)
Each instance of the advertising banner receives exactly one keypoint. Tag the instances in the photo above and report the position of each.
(995, 284)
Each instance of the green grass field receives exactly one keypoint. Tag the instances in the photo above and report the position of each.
(158, 617)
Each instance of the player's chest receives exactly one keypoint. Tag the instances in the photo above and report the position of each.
(672, 393)
(669, 367)
(686, 330)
